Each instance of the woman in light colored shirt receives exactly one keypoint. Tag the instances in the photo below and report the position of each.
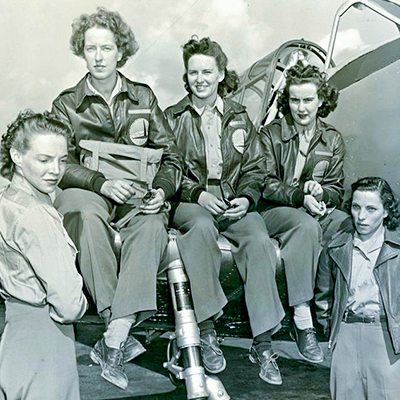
(38, 278)
(357, 296)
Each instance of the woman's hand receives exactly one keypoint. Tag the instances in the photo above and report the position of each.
(156, 201)
(211, 203)
(313, 206)
(119, 190)
(314, 189)
(239, 208)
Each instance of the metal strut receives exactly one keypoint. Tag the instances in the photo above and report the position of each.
(184, 356)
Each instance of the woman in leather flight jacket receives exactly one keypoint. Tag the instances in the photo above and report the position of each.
(222, 178)
(357, 296)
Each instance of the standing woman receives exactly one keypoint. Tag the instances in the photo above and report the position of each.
(357, 296)
(222, 178)
(38, 278)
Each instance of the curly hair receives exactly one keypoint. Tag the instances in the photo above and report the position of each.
(123, 35)
(209, 48)
(299, 74)
(389, 199)
(19, 133)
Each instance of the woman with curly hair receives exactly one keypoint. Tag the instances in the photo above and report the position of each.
(223, 172)
(105, 106)
(357, 296)
(39, 281)
(303, 189)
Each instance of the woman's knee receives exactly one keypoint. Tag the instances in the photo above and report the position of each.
(78, 204)
(199, 221)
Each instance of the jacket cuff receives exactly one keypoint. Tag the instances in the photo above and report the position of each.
(325, 197)
(196, 194)
(298, 198)
(166, 186)
(97, 183)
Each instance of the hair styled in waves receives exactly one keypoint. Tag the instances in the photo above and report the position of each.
(20, 132)
(210, 48)
(123, 35)
(305, 73)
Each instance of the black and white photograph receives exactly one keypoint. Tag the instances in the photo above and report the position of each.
(199, 200)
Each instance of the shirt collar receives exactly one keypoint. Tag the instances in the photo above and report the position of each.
(373, 243)
(219, 105)
(116, 90)
(20, 183)
(288, 130)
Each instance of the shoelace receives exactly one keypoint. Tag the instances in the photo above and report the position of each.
(116, 357)
(310, 337)
(212, 346)
(270, 360)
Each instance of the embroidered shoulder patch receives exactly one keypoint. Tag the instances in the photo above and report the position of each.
(138, 131)
(238, 139)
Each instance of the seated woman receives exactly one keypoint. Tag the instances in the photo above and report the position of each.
(223, 173)
(357, 296)
(38, 278)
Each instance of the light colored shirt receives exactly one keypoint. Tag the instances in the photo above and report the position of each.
(304, 143)
(211, 120)
(110, 102)
(364, 291)
(37, 257)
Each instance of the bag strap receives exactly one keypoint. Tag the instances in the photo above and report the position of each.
(95, 156)
(143, 164)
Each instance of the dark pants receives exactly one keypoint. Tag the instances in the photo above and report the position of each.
(301, 237)
(131, 287)
(37, 356)
(364, 365)
(254, 255)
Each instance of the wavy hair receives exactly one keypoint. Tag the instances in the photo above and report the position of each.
(123, 35)
(389, 199)
(210, 48)
(19, 133)
(299, 74)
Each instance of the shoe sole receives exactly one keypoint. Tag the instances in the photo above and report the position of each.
(97, 360)
(215, 371)
(292, 336)
(265, 379)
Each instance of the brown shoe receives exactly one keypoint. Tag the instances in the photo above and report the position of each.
(111, 362)
(269, 370)
(213, 359)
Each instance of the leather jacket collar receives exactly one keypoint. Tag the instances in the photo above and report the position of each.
(186, 103)
(289, 131)
(82, 90)
(341, 250)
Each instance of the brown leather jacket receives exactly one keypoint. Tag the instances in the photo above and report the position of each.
(324, 164)
(243, 160)
(333, 280)
(137, 120)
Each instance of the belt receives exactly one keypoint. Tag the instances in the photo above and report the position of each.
(351, 318)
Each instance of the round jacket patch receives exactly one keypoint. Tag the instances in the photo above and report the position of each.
(238, 139)
(319, 170)
(138, 131)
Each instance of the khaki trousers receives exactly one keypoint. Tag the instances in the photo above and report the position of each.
(128, 288)
(254, 255)
(37, 356)
(301, 237)
(364, 365)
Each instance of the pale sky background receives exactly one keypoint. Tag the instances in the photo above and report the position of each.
(36, 62)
